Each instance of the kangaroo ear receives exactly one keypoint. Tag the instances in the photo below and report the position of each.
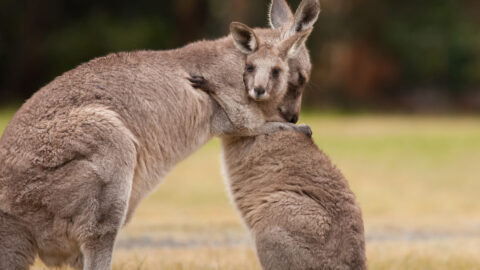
(280, 13)
(244, 38)
(291, 46)
(306, 15)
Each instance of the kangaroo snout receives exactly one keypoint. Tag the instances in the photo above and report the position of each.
(289, 114)
(293, 119)
(258, 93)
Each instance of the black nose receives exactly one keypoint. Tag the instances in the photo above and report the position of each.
(259, 91)
(294, 119)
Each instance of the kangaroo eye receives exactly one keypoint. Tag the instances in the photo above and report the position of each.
(276, 72)
(301, 79)
(250, 68)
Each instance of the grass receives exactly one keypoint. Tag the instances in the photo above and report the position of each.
(416, 178)
(436, 255)
(398, 256)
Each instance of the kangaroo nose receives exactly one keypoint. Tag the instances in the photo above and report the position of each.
(259, 91)
(294, 119)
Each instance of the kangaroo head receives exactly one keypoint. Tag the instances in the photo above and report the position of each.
(267, 64)
(282, 19)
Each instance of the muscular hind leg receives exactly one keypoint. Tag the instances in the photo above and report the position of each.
(98, 244)
(106, 214)
(98, 252)
(278, 249)
(92, 190)
(17, 245)
(274, 249)
(94, 202)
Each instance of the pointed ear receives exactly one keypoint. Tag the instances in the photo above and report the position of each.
(244, 38)
(291, 46)
(306, 15)
(280, 13)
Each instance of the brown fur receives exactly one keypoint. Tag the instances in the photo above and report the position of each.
(281, 18)
(18, 244)
(266, 69)
(297, 205)
(79, 155)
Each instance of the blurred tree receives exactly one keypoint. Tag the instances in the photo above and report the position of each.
(365, 53)
(190, 19)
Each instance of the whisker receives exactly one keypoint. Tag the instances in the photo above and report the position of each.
(313, 86)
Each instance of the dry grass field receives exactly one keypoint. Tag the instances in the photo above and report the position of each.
(417, 179)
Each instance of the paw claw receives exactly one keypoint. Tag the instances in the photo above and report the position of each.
(305, 129)
(197, 81)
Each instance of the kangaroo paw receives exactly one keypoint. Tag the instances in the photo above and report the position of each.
(197, 81)
(305, 129)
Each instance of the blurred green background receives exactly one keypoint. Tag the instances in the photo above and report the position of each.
(368, 55)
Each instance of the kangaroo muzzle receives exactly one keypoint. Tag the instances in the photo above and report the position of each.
(258, 93)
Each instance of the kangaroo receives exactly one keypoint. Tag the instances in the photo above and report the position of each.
(81, 153)
(297, 205)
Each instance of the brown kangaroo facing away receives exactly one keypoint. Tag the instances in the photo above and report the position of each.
(297, 205)
(81, 153)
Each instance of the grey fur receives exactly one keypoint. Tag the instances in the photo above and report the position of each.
(305, 16)
(78, 156)
(296, 204)
(264, 59)
(280, 13)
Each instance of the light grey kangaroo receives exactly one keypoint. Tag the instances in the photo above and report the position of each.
(79, 155)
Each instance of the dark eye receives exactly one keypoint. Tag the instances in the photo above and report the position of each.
(301, 79)
(250, 68)
(276, 72)
(298, 91)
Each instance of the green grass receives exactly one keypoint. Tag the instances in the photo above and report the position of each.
(6, 115)
(411, 174)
